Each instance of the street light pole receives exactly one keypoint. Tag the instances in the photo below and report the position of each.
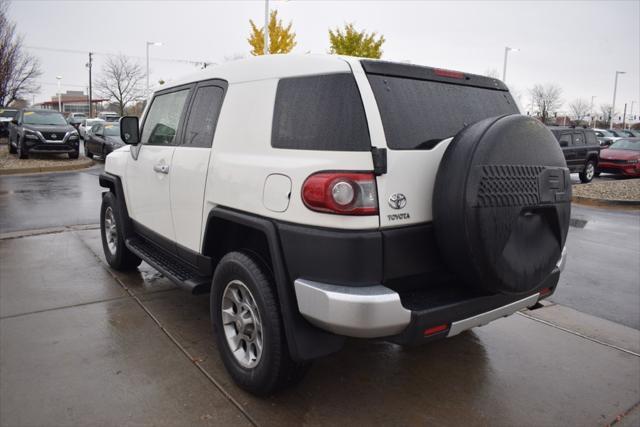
(59, 95)
(507, 49)
(591, 110)
(613, 106)
(266, 27)
(149, 44)
(89, 65)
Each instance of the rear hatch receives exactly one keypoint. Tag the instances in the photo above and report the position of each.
(421, 110)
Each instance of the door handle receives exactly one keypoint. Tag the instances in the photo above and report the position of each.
(160, 168)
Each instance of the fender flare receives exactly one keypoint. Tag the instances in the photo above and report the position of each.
(305, 341)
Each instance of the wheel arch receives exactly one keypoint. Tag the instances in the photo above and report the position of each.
(228, 230)
(114, 184)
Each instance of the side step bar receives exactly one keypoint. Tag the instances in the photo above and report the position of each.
(172, 268)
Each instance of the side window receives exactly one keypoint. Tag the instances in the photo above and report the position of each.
(321, 112)
(163, 119)
(203, 117)
(96, 129)
(600, 134)
(565, 140)
(591, 138)
(578, 138)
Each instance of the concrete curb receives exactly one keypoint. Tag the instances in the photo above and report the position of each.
(44, 169)
(605, 202)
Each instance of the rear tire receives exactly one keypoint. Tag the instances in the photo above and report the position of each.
(12, 149)
(116, 252)
(87, 153)
(74, 155)
(243, 294)
(586, 176)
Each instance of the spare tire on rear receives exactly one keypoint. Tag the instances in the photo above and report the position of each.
(502, 204)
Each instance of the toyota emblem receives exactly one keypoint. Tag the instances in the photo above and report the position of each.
(54, 136)
(397, 201)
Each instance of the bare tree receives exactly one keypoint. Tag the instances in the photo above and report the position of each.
(18, 69)
(546, 98)
(580, 109)
(492, 73)
(607, 113)
(121, 81)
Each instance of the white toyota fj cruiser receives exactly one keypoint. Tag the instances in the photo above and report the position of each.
(325, 197)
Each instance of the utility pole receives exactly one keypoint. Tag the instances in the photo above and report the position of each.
(613, 105)
(624, 115)
(89, 65)
(507, 49)
(591, 111)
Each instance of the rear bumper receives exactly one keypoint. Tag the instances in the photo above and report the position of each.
(377, 311)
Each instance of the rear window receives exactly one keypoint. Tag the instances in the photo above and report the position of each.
(417, 114)
(322, 112)
(591, 138)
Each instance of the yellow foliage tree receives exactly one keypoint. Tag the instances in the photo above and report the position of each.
(349, 41)
(281, 39)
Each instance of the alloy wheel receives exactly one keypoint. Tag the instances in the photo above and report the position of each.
(241, 324)
(110, 230)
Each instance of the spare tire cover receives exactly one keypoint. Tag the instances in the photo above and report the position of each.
(502, 204)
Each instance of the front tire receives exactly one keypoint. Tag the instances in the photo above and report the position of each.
(249, 330)
(116, 252)
(586, 176)
(20, 150)
(12, 148)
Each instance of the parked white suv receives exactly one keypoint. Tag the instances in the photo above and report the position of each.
(325, 197)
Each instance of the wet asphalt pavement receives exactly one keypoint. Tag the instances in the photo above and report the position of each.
(81, 344)
(37, 201)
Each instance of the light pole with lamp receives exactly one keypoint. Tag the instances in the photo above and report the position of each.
(150, 44)
(507, 49)
(59, 78)
(613, 106)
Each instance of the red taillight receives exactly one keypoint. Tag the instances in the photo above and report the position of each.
(345, 193)
(448, 73)
(545, 292)
(435, 330)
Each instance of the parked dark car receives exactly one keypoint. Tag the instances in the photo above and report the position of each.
(6, 115)
(622, 157)
(103, 139)
(581, 150)
(42, 131)
(628, 133)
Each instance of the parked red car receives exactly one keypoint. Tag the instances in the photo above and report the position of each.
(622, 157)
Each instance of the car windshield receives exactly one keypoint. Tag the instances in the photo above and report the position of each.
(43, 118)
(626, 144)
(112, 130)
(8, 113)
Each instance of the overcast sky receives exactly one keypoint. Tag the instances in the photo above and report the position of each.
(577, 45)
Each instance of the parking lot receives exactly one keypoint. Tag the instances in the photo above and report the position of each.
(81, 344)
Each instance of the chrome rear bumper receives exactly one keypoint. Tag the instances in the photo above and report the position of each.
(376, 311)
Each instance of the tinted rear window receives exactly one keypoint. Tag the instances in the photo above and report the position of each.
(591, 138)
(320, 113)
(417, 114)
